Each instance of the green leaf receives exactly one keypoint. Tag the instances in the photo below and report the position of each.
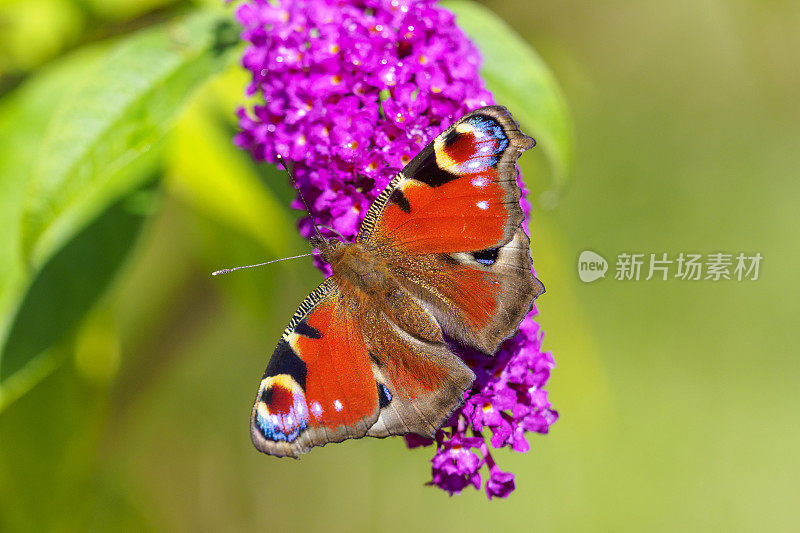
(521, 81)
(63, 291)
(24, 117)
(75, 139)
(109, 119)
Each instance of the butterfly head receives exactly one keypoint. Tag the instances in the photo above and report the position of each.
(327, 247)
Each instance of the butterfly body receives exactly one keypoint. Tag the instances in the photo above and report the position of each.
(355, 266)
(441, 255)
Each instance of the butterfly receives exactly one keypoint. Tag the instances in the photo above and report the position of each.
(440, 254)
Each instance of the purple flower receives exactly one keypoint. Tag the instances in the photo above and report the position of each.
(456, 466)
(351, 90)
(499, 483)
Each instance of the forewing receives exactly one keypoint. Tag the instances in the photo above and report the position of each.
(319, 385)
(458, 194)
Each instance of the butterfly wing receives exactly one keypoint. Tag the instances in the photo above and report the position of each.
(449, 225)
(343, 370)
(420, 380)
(318, 386)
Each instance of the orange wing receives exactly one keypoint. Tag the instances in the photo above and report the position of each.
(318, 386)
(459, 194)
(449, 224)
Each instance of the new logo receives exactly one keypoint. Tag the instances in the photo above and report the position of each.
(591, 266)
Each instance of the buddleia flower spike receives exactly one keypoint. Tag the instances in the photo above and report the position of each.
(350, 91)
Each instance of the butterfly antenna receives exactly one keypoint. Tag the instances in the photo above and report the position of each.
(342, 237)
(226, 270)
(289, 171)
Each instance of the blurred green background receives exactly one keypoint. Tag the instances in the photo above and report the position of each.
(128, 372)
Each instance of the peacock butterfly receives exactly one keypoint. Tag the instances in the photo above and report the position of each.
(440, 252)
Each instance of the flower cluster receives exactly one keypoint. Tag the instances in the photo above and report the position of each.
(350, 91)
(507, 400)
